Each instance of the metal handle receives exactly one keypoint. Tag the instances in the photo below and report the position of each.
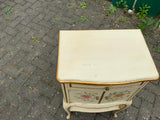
(106, 88)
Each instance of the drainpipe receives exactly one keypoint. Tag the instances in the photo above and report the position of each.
(132, 11)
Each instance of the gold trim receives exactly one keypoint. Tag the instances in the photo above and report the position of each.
(100, 83)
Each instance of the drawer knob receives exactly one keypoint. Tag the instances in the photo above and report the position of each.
(97, 98)
(106, 88)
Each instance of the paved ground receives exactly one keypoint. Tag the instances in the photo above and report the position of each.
(28, 50)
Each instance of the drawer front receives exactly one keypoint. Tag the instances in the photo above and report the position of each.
(84, 95)
(118, 94)
(103, 86)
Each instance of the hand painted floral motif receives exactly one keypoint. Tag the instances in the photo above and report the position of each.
(87, 96)
(117, 95)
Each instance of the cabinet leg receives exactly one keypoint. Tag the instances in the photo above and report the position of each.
(68, 116)
(68, 112)
(115, 114)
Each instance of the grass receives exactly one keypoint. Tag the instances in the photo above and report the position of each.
(7, 18)
(7, 11)
(75, 21)
(123, 18)
(34, 38)
(110, 10)
(155, 48)
(3, 100)
(69, 5)
(57, 18)
(146, 23)
(84, 18)
(83, 5)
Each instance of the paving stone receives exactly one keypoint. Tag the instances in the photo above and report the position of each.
(27, 93)
(23, 109)
(45, 89)
(40, 64)
(131, 113)
(100, 117)
(12, 70)
(55, 103)
(12, 98)
(146, 95)
(38, 107)
(2, 75)
(136, 101)
(35, 78)
(11, 31)
(7, 113)
(5, 83)
(23, 28)
(18, 83)
(153, 88)
(78, 115)
(45, 116)
(48, 77)
(156, 111)
(145, 111)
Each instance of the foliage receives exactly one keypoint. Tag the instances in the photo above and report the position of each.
(84, 18)
(83, 5)
(157, 22)
(155, 48)
(69, 5)
(34, 38)
(123, 18)
(146, 23)
(110, 10)
(143, 11)
(122, 3)
(7, 11)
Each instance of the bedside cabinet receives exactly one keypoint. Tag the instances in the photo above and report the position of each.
(102, 70)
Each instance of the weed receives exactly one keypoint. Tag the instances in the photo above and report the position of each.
(123, 18)
(10, 53)
(146, 34)
(34, 38)
(7, 18)
(143, 11)
(19, 74)
(69, 5)
(3, 100)
(122, 3)
(27, 85)
(111, 10)
(57, 18)
(146, 23)
(42, 94)
(155, 48)
(157, 23)
(83, 5)
(7, 11)
(75, 22)
(84, 18)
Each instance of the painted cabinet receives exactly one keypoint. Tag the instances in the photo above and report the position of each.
(102, 70)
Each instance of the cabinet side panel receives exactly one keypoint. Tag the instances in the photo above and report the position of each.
(64, 92)
(142, 86)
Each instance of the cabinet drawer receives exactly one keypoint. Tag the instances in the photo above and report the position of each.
(84, 95)
(102, 86)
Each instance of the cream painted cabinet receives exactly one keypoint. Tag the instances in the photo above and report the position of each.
(102, 70)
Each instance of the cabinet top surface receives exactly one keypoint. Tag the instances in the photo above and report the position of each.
(104, 57)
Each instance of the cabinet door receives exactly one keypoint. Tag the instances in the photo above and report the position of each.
(84, 95)
(118, 94)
